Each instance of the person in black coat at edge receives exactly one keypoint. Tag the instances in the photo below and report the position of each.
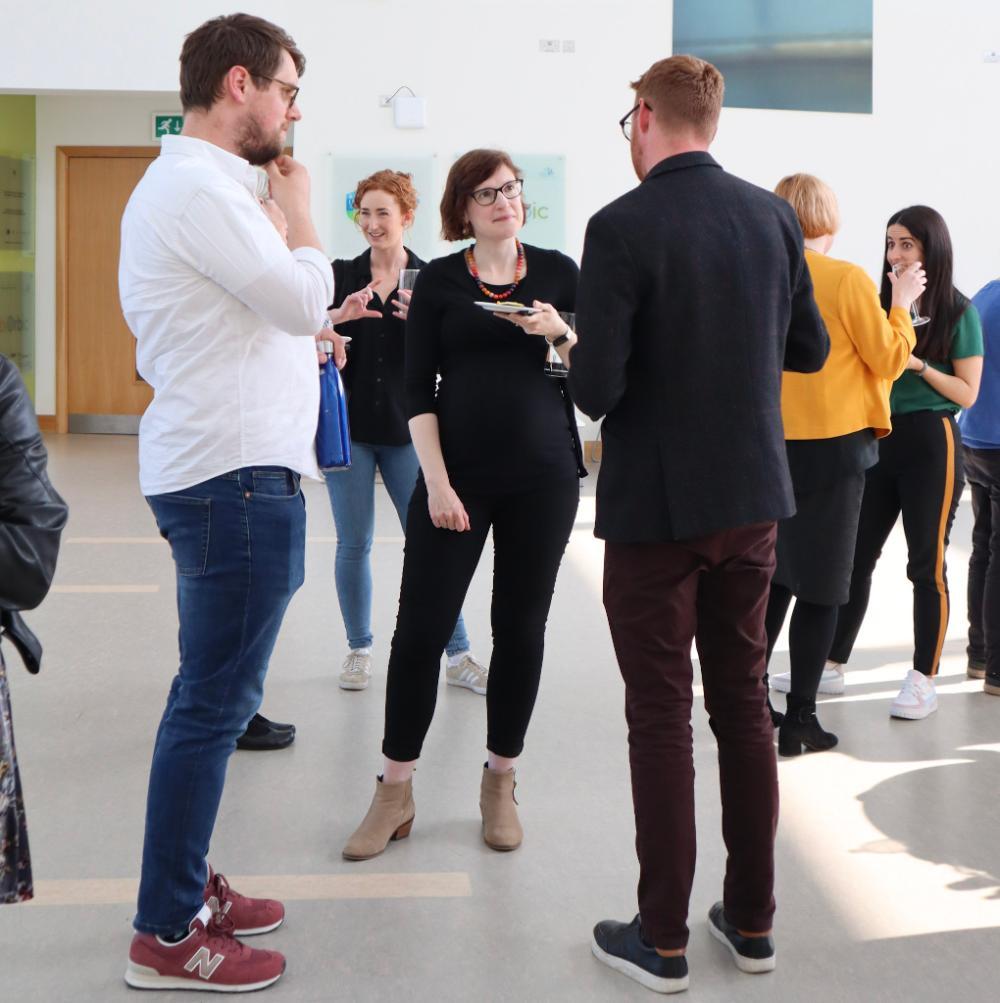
(32, 517)
(694, 296)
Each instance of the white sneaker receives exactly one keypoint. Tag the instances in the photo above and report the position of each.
(917, 699)
(832, 680)
(469, 673)
(357, 671)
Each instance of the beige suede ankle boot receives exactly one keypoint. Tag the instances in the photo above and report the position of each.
(390, 817)
(501, 827)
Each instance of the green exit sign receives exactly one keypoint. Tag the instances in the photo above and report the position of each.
(167, 124)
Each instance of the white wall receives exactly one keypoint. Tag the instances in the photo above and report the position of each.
(933, 137)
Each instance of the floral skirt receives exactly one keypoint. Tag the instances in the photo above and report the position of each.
(15, 861)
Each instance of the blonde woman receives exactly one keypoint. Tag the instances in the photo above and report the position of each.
(833, 420)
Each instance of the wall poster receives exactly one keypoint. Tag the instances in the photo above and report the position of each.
(783, 53)
(17, 319)
(17, 217)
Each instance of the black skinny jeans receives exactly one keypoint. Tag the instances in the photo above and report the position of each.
(918, 474)
(530, 533)
(982, 470)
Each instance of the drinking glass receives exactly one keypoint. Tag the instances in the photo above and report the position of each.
(407, 278)
(915, 317)
(554, 366)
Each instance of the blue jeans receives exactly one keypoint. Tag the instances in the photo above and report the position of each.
(238, 543)
(352, 497)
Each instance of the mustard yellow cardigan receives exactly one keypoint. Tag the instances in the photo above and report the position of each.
(867, 353)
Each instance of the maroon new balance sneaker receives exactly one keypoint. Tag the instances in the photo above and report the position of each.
(249, 916)
(209, 958)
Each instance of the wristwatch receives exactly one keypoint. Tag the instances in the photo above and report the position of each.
(561, 340)
(923, 368)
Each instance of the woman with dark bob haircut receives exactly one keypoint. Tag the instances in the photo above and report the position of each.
(498, 449)
(919, 469)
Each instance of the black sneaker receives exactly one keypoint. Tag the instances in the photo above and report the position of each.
(976, 669)
(621, 947)
(263, 735)
(991, 684)
(751, 954)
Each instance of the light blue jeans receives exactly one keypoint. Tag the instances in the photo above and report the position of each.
(352, 497)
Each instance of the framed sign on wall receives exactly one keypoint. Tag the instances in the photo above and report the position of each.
(17, 218)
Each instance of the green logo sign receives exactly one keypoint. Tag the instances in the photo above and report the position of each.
(167, 125)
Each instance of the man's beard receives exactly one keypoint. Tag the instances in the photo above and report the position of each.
(254, 146)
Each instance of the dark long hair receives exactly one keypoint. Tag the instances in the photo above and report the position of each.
(941, 301)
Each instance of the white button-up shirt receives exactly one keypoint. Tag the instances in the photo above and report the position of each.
(224, 317)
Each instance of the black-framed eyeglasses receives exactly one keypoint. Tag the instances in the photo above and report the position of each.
(294, 91)
(625, 122)
(510, 190)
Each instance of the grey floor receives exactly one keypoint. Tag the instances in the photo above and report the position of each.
(888, 876)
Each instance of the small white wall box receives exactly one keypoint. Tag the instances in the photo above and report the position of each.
(409, 112)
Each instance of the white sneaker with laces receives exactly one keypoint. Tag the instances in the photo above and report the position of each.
(469, 673)
(917, 699)
(357, 670)
(831, 682)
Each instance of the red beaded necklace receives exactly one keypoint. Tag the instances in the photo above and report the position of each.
(470, 261)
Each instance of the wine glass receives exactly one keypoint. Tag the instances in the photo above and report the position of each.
(554, 366)
(408, 278)
(897, 269)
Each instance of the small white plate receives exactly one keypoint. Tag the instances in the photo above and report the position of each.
(518, 308)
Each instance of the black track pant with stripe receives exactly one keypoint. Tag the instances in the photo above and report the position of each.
(918, 475)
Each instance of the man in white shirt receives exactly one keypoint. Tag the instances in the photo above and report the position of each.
(224, 315)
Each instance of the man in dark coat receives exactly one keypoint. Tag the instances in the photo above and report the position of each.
(694, 296)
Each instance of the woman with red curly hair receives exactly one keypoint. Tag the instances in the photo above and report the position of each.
(370, 309)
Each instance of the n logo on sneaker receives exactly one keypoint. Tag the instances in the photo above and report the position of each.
(205, 962)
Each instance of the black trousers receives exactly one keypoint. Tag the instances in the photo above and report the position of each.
(982, 469)
(919, 474)
(659, 598)
(530, 533)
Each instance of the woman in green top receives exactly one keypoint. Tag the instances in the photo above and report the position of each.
(919, 471)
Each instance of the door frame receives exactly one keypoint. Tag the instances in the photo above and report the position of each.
(63, 156)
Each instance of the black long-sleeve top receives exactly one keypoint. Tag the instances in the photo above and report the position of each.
(504, 424)
(373, 376)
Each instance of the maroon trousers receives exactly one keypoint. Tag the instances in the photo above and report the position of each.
(659, 598)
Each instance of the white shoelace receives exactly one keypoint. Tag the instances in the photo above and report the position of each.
(913, 688)
(355, 664)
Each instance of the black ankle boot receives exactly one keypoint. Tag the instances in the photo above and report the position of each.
(801, 728)
(776, 716)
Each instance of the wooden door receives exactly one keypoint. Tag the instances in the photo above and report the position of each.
(101, 392)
